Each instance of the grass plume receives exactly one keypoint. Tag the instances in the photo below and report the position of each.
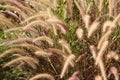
(29, 60)
(79, 33)
(44, 38)
(66, 64)
(65, 45)
(12, 50)
(93, 27)
(42, 75)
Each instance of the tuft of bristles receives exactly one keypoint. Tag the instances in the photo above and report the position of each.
(65, 45)
(99, 60)
(75, 76)
(26, 45)
(101, 51)
(93, 50)
(98, 77)
(29, 60)
(43, 53)
(66, 64)
(20, 40)
(13, 8)
(81, 57)
(107, 25)
(79, 33)
(86, 20)
(42, 75)
(13, 50)
(112, 55)
(93, 27)
(100, 6)
(64, 28)
(111, 7)
(36, 23)
(44, 38)
(81, 10)
(103, 38)
(114, 71)
(6, 21)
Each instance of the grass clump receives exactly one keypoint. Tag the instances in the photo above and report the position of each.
(59, 39)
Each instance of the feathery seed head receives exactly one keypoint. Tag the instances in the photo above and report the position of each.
(79, 33)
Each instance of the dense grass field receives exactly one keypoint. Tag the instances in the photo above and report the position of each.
(59, 39)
